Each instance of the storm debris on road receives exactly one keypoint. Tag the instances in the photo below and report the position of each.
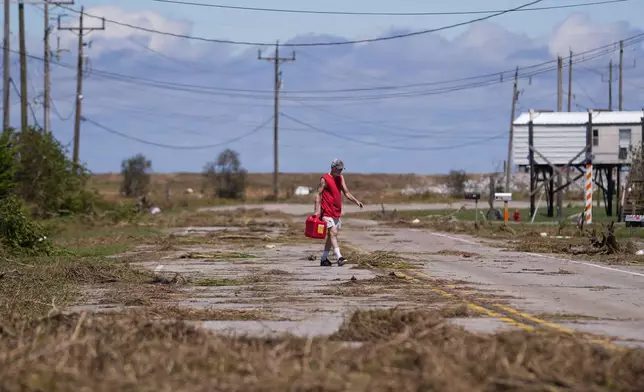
(401, 350)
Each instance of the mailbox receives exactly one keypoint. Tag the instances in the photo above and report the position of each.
(472, 195)
(503, 196)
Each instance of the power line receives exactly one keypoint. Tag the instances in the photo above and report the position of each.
(173, 147)
(31, 109)
(492, 78)
(358, 13)
(435, 148)
(414, 132)
(349, 42)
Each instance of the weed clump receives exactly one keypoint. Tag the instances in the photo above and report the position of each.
(18, 232)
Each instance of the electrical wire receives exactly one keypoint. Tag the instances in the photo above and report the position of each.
(492, 78)
(362, 13)
(31, 109)
(208, 90)
(183, 63)
(414, 132)
(583, 90)
(173, 147)
(435, 148)
(336, 43)
(57, 112)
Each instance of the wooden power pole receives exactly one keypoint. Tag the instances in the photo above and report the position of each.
(6, 85)
(81, 30)
(570, 82)
(610, 85)
(559, 83)
(621, 74)
(24, 120)
(276, 60)
(47, 80)
(515, 97)
(46, 61)
(559, 109)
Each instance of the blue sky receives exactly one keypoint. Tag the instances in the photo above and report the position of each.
(418, 130)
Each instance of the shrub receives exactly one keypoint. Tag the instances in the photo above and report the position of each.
(8, 165)
(225, 176)
(456, 182)
(18, 233)
(47, 178)
(136, 176)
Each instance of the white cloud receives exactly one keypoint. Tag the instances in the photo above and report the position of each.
(579, 34)
(200, 116)
(118, 37)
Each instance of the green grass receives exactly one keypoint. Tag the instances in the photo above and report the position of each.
(220, 282)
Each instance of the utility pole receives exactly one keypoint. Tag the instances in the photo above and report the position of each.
(24, 120)
(47, 59)
(610, 86)
(46, 71)
(515, 97)
(559, 109)
(6, 85)
(621, 74)
(277, 60)
(570, 82)
(559, 83)
(81, 30)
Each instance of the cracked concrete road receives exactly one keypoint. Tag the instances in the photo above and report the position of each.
(588, 296)
(584, 296)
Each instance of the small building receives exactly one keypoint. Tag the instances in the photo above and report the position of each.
(560, 137)
(565, 140)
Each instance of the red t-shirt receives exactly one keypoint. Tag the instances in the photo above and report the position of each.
(331, 203)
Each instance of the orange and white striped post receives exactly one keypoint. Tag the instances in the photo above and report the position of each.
(588, 206)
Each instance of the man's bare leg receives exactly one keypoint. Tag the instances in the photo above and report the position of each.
(333, 234)
(327, 246)
(324, 262)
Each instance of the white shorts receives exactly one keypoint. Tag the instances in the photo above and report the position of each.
(330, 222)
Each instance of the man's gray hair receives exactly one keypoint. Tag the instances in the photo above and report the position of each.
(337, 163)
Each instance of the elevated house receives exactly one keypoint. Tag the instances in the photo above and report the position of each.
(547, 143)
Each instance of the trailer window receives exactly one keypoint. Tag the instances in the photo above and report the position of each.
(595, 137)
(624, 143)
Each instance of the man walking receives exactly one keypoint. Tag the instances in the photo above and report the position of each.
(328, 206)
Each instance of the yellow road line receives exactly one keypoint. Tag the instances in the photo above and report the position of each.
(535, 319)
(494, 314)
(471, 305)
(499, 316)
(475, 307)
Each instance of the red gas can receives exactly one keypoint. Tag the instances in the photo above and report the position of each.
(315, 227)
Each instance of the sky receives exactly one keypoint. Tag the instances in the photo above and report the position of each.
(408, 105)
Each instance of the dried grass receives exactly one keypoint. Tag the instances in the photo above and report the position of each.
(403, 350)
(377, 259)
(451, 252)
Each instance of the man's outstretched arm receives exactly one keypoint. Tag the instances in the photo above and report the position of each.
(348, 194)
(318, 196)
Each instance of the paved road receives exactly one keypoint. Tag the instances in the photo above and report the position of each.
(304, 209)
(541, 283)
